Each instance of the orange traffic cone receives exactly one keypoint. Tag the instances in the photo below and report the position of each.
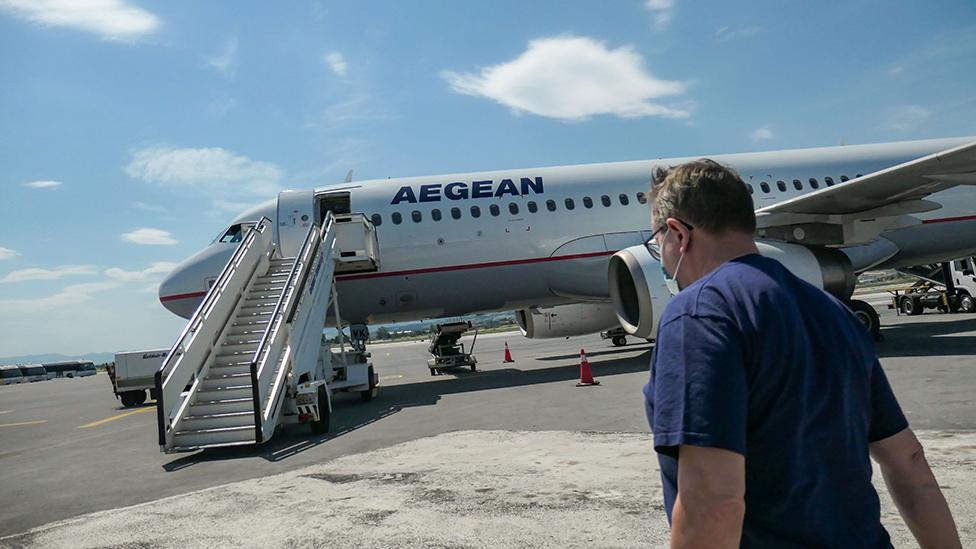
(508, 354)
(586, 377)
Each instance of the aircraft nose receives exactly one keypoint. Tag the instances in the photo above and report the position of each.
(184, 288)
(177, 295)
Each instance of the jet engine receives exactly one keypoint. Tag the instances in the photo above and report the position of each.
(566, 320)
(638, 291)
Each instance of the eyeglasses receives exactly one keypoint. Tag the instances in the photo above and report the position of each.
(651, 244)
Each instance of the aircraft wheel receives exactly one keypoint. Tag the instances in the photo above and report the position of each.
(866, 314)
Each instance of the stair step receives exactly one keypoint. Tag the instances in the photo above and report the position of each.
(224, 393)
(237, 368)
(227, 383)
(254, 329)
(219, 435)
(245, 348)
(216, 421)
(210, 407)
(173, 449)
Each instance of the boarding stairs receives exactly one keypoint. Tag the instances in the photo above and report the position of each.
(256, 334)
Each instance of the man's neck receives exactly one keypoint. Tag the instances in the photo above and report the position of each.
(716, 251)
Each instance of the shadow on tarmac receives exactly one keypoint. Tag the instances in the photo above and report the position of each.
(347, 417)
(922, 338)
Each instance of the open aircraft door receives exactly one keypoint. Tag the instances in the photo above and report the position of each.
(295, 215)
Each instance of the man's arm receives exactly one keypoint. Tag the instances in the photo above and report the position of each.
(711, 498)
(915, 491)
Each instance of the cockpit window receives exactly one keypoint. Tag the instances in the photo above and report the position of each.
(234, 234)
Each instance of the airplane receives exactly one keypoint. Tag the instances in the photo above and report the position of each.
(563, 246)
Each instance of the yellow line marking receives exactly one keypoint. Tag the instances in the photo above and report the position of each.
(120, 416)
(23, 423)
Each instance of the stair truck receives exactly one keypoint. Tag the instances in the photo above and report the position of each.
(251, 358)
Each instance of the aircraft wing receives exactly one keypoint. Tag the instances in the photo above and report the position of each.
(858, 210)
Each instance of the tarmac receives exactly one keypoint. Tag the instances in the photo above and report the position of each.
(514, 455)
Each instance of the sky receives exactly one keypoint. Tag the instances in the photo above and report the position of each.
(131, 132)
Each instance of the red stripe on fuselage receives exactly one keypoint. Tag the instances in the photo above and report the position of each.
(950, 219)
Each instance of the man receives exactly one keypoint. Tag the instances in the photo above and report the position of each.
(766, 396)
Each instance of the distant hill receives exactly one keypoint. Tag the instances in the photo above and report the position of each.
(97, 358)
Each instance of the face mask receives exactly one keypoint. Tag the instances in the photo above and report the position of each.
(671, 281)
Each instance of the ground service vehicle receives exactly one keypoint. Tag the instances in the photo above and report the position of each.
(70, 368)
(949, 287)
(132, 375)
(33, 372)
(10, 375)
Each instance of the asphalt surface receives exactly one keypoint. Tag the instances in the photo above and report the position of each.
(68, 448)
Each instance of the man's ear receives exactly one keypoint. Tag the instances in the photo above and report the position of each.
(682, 234)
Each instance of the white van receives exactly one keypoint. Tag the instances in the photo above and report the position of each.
(10, 375)
(33, 372)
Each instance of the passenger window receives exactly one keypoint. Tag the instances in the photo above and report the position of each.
(570, 204)
(605, 200)
(435, 214)
(814, 184)
(844, 178)
(797, 184)
(377, 220)
(587, 202)
(551, 205)
(764, 186)
(475, 211)
(396, 217)
(857, 175)
(513, 208)
(456, 213)
(781, 186)
(624, 199)
(641, 198)
(829, 181)
(415, 215)
(494, 210)
(533, 207)
(234, 234)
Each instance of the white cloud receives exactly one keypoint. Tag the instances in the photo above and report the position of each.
(663, 11)
(231, 206)
(897, 69)
(215, 168)
(43, 184)
(156, 268)
(336, 62)
(906, 117)
(111, 19)
(69, 295)
(572, 78)
(25, 275)
(761, 134)
(226, 60)
(7, 253)
(150, 237)
(726, 33)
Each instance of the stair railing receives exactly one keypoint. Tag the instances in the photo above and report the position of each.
(195, 345)
(270, 361)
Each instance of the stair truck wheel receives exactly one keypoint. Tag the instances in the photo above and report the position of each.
(967, 304)
(132, 398)
(619, 341)
(368, 394)
(321, 426)
(866, 314)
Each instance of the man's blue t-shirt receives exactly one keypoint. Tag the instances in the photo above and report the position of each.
(754, 360)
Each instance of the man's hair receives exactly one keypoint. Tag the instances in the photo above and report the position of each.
(705, 194)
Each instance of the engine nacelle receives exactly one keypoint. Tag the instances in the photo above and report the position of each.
(638, 291)
(566, 320)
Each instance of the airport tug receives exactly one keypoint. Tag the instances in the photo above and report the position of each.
(445, 351)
